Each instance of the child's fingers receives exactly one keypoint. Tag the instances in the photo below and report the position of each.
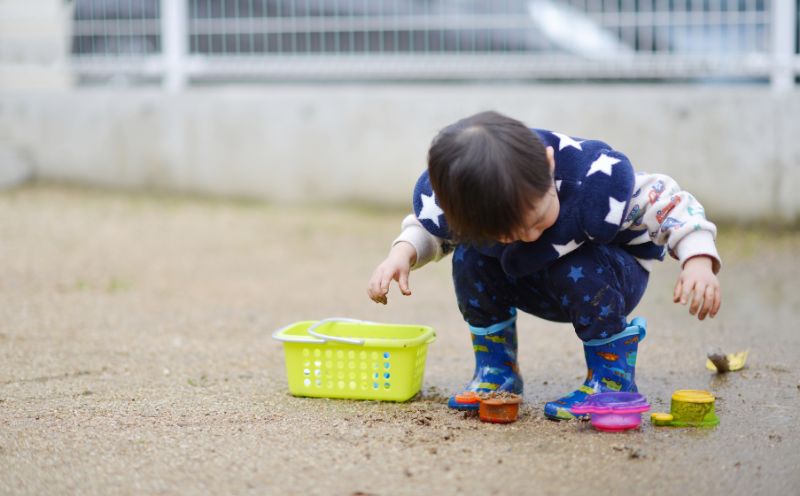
(708, 302)
(402, 281)
(699, 292)
(377, 298)
(386, 278)
(676, 295)
(382, 289)
(379, 286)
(374, 284)
(717, 302)
(372, 287)
(699, 299)
(686, 293)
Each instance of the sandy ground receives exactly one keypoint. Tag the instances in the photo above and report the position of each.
(136, 357)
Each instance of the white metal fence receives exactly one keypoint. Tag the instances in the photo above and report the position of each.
(177, 42)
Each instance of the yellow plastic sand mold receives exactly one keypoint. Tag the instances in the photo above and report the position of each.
(354, 359)
(689, 408)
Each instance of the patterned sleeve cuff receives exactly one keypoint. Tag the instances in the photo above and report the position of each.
(698, 243)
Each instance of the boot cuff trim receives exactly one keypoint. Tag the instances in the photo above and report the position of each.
(634, 329)
(483, 331)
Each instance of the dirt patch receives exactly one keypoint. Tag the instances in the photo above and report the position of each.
(135, 357)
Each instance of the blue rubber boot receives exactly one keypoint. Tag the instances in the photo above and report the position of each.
(496, 366)
(611, 366)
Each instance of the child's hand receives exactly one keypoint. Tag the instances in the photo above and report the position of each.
(698, 277)
(396, 266)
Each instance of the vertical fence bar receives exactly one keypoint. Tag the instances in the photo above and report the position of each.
(174, 17)
(784, 21)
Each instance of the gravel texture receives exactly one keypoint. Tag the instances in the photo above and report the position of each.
(136, 358)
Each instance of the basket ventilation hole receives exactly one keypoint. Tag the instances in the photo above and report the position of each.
(307, 382)
(386, 385)
(375, 385)
(386, 355)
(306, 372)
(386, 365)
(386, 375)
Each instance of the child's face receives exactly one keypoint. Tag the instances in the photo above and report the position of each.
(541, 216)
(538, 218)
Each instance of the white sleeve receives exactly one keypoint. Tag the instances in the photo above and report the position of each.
(428, 247)
(671, 217)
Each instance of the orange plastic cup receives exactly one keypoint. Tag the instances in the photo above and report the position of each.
(500, 410)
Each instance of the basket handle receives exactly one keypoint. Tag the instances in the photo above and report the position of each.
(278, 335)
(318, 334)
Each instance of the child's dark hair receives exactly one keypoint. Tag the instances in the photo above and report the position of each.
(486, 170)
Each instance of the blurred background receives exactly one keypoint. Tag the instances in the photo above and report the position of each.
(336, 101)
(179, 178)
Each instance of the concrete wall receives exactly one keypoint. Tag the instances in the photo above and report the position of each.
(34, 44)
(735, 148)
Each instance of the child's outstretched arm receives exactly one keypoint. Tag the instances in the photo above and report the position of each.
(674, 218)
(411, 250)
(698, 278)
(396, 267)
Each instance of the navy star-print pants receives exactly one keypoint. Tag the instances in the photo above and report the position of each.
(594, 287)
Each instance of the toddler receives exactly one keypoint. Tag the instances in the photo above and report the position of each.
(559, 227)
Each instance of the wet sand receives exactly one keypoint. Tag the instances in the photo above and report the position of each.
(136, 358)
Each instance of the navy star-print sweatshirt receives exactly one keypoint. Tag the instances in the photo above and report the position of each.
(602, 201)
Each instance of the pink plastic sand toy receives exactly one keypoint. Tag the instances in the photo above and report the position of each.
(613, 412)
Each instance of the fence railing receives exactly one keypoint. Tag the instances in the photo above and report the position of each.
(178, 42)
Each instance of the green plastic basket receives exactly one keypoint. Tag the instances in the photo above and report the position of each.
(354, 359)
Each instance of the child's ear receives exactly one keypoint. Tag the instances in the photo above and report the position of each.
(551, 159)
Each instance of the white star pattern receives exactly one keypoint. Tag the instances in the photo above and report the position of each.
(602, 164)
(615, 211)
(564, 249)
(430, 210)
(558, 185)
(565, 141)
